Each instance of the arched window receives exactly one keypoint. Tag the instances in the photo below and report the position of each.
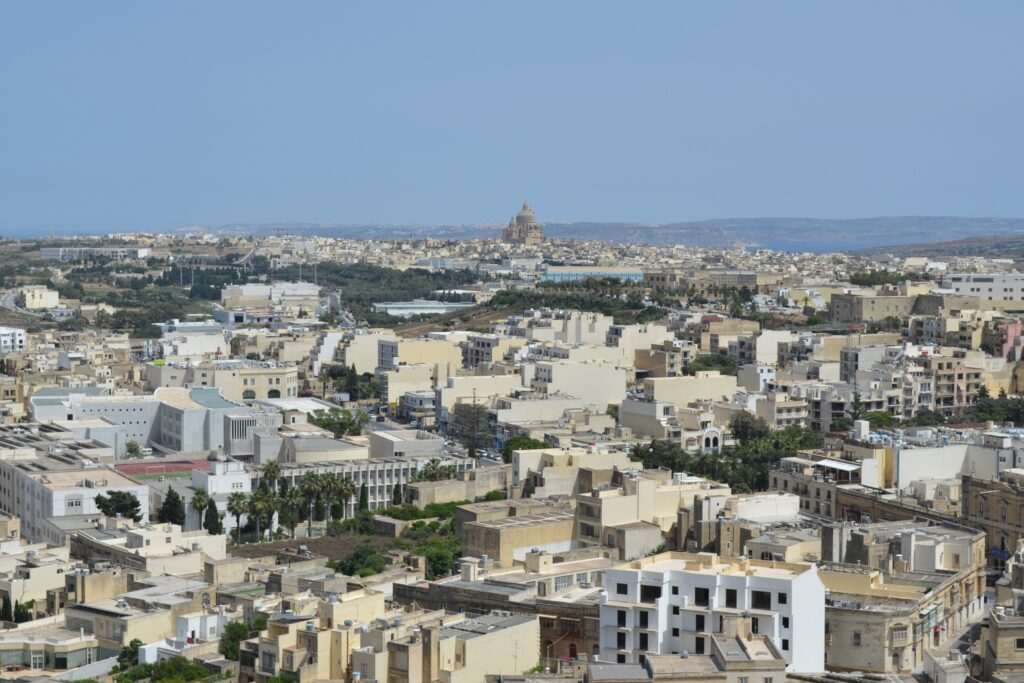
(714, 442)
(274, 393)
(707, 442)
(248, 395)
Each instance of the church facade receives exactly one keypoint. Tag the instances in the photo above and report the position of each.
(523, 229)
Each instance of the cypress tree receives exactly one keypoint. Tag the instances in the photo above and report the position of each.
(212, 522)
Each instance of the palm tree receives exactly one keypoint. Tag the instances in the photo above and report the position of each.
(272, 474)
(238, 505)
(292, 500)
(255, 505)
(309, 483)
(328, 489)
(346, 489)
(200, 501)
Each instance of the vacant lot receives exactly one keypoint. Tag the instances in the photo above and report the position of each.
(331, 547)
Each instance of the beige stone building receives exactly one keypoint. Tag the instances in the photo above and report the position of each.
(708, 385)
(38, 297)
(896, 590)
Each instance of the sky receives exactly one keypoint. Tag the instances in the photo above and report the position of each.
(154, 116)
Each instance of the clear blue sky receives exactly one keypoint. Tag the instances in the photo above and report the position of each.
(145, 115)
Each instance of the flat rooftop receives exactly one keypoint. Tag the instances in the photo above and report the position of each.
(537, 519)
(101, 477)
(709, 563)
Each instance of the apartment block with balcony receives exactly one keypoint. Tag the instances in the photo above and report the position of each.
(676, 602)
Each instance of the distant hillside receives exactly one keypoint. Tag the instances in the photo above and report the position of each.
(996, 246)
(789, 234)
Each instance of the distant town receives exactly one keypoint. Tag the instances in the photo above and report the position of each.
(303, 458)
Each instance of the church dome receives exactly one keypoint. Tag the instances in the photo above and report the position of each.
(526, 216)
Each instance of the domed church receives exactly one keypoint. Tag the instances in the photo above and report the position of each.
(523, 229)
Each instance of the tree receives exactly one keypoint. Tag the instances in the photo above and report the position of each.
(133, 450)
(470, 426)
(329, 484)
(856, 406)
(238, 505)
(122, 503)
(363, 561)
(364, 497)
(880, 419)
(841, 424)
(173, 508)
(6, 611)
(983, 392)
(520, 443)
(435, 471)
(293, 500)
(262, 504)
(746, 427)
(211, 521)
(272, 473)
(309, 484)
(346, 489)
(21, 613)
(200, 501)
(396, 494)
(340, 422)
(234, 633)
(129, 655)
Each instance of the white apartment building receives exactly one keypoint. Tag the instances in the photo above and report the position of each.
(672, 603)
(60, 484)
(223, 478)
(986, 286)
(12, 339)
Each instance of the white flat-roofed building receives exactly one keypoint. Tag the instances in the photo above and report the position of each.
(44, 486)
(673, 603)
(986, 286)
(12, 339)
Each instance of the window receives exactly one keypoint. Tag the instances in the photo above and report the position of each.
(783, 598)
(743, 679)
(785, 622)
(900, 633)
(760, 600)
(621, 589)
(650, 593)
(675, 610)
(698, 622)
(730, 597)
(620, 641)
(768, 679)
(620, 658)
(622, 618)
(1020, 644)
(755, 627)
(643, 619)
(675, 632)
(856, 638)
(675, 590)
(701, 597)
(643, 641)
(785, 644)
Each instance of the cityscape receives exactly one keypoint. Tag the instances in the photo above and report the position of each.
(421, 391)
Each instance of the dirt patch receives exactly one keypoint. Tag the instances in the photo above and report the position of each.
(331, 547)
